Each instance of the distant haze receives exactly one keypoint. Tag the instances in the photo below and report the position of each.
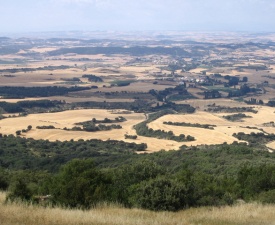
(130, 15)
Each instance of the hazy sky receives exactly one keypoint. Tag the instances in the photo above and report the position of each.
(90, 15)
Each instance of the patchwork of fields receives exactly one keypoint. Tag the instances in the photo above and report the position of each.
(133, 75)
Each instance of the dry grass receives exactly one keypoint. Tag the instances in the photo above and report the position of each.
(201, 104)
(244, 214)
(197, 70)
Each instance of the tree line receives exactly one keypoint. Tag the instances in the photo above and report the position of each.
(22, 106)
(22, 92)
(83, 174)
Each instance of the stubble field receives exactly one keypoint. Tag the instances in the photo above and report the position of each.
(223, 129)
(67, 119)
(221, 133)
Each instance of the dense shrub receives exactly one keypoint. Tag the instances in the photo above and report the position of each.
(80, 184)
(160, 194)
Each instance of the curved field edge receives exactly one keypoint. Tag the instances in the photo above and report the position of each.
(240, 214)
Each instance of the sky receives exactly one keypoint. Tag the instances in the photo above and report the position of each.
(134, 15)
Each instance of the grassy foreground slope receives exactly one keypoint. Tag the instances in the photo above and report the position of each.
(242, 214)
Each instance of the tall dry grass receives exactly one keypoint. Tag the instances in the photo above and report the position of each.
(243, 214)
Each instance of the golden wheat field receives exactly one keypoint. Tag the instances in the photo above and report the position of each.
(241, 214)
(201, 104)
(67, 119)
(224, 129)
(221, 133)
(203, 136)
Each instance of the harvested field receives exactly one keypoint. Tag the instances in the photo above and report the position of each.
(203, 136)
(201, 104)
(139, 69)
(221, 133)
(197, 70)
(68, 118)
(224, 129)
(265, 115)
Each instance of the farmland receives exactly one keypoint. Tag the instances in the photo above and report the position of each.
(222, 131)
(151, 76)
(117, 125)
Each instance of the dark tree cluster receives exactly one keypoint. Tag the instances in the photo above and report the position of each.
(22, 106)
(22, 92)
(243, 90)
(255, 139)
(271, 103)
(236, 117)
(127, 136)
(254, 101)
(118, 119)
(74, 79)
(184, 124)
(92, 127)
(45, 127)
(212, 94)
(92, 78)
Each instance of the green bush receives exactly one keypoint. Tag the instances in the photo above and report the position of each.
(4, 181)
(160, 194)
(80, 184)
(19, 190)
